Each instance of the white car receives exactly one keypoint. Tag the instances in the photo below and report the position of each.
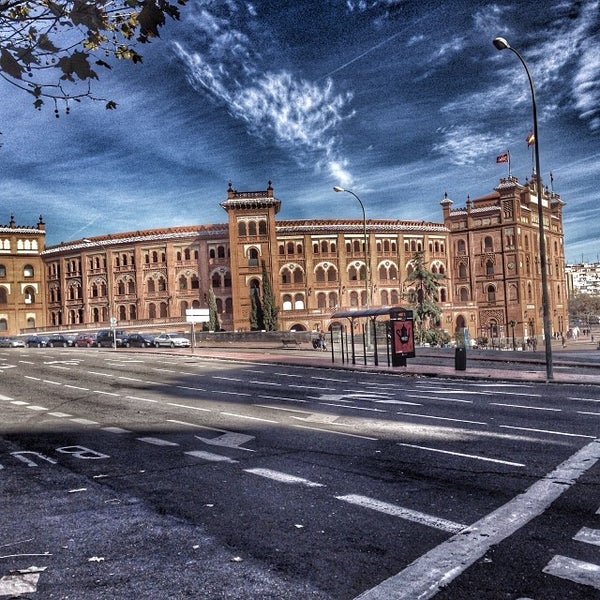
(172, 340)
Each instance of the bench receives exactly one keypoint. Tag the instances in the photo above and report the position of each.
(288, 342)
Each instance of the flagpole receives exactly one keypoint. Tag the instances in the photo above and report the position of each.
(508, 152)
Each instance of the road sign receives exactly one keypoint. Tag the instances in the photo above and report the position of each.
(197, 315)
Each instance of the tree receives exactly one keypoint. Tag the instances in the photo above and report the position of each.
(50, 48)
(584, 308)
(213, 315)
(269, 307)
(425, 294)
(256, 312)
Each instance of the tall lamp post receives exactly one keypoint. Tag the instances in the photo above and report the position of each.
(337, 188)
(501, 44)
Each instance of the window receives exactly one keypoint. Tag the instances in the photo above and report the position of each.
(2, 271)
(489, 268)
(488, 243)
(253, 257)
(3, 296)
(27, 271)
(491, 293)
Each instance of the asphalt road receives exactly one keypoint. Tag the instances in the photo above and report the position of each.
(134, 474)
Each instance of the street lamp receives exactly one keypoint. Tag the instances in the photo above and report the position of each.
(337, 188)
(501, 44)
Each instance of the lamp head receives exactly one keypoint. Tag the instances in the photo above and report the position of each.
(337, 188)
(500, 43)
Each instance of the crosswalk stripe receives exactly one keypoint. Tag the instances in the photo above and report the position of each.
(589, 536)
(574, 570)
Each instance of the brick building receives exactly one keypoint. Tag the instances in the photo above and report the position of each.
(22, 292)
(486, 251)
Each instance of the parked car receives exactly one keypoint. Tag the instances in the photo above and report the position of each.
(106, 338)
(172, 340)
(12, 342)
(139, 340)
(85, 340)
(37, 341)
(59, 341)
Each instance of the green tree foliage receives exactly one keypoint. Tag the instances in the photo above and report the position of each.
(53, 49)
(424, 296)
(584, 308)
(256, 312)
(269, 306)
(213, 316)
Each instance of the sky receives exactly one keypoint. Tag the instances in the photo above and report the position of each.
(398, 101)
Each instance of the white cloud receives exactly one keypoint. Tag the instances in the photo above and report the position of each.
(298, 115)
(463, 145)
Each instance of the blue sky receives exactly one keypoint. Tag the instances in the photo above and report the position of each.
(399, 101)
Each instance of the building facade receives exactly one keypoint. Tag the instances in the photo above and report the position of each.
(584, 278)
(22, 291)
(486, 253)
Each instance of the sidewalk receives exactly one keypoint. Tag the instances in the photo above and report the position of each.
(533, 367)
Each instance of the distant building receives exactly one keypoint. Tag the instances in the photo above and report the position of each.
(486, 251)
(22, 291)
(583, 278)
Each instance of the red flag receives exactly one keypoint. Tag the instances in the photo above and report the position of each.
(530, 139)
(502, 158)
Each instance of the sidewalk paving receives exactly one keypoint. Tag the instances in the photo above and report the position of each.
(567, 366)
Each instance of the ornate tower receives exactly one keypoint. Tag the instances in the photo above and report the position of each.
(252, 242)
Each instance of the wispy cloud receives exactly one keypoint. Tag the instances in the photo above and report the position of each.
(298, 115)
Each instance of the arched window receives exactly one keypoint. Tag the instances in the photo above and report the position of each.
(262, 227)
(3, 296)
(252, 257)
(491, 293)
(299, 302)
(287, 302)
(464, 294)
(333, 299)
(151, 286)
(488, 243)
(152, 310)
(462, 271)
(2, 271)
(29, 294)
(252, 228)
(28, 271)
(321, 300)
(242, 229)
(489, 268)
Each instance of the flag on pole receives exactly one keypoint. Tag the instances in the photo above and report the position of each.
(530, 139)
(503, 158)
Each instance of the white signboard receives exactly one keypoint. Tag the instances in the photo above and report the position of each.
(196, 315)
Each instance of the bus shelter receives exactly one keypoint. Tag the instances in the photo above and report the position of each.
(395, 334)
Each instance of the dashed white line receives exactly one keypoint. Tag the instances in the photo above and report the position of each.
(409, 414)
(574, 570)
(543, 408)
(334, 432)
(118, 430)
(60, 415)
(462, 455)
(35, 407)
(563, 433)
(228, 414)
(156, 441)
(84, 421)
(404, 513)
(210, 456)
(141, 399)
(283, 477)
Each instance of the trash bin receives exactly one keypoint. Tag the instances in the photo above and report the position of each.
(460, 359)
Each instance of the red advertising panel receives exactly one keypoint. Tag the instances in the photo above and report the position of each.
(403, 340)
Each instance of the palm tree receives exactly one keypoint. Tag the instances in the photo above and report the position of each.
(424, 293)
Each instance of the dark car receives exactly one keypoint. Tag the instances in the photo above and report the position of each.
(139, 340)
(58, 341)
(106, 338)
(37, 341)
(85, 340)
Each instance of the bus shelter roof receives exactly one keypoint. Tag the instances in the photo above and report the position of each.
(367, 312)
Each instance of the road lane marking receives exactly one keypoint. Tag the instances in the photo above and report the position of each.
(574, 570)
(141, 399)
(230, 393)
(83, 421)
(422, 397)
(176, 405)
(589, 437)
(228, 414)
(266, 383)
(19, 402)
(462, 455)
(49, 381)
(118, 430)
(266, 397)
(526, 407)
(404, 513)
(367, 408)
(283, 477)
(589, 536)
(425, 576)
(210, 456)
(7, 398)
(189, 387)
(334, 432)
(60, 415)
(77, 387)
(106, 393)
(36, 407)
(156, 441)
(442, 418)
